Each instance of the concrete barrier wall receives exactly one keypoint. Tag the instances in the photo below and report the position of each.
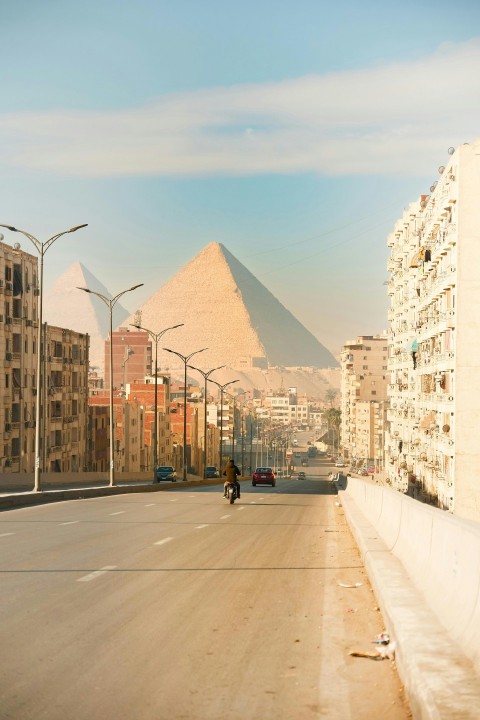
(25, 481)
(440, 553)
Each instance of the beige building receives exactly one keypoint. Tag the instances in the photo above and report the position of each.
(433, 451)
(363, 398)
(65, 369)
(66, 401)
(18, 358)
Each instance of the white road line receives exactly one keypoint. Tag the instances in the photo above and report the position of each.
(5, 534)
(224, 517)
(199, 527)
(173, 499)
(253, 502)
(96, 573)
(120, 512)
(241, 508)
(150, 505)
(162, 542)
(70, 522)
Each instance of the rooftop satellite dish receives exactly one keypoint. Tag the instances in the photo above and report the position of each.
(441, 169)
(17, 246)
(451, 150)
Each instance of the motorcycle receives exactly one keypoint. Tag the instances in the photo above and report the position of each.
(231, 493)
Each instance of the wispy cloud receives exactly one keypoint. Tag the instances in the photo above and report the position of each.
(387, 119)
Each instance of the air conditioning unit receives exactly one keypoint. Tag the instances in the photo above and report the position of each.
(29, 323)
(8, 356)
(9, 320)
(34, 391)
(8, 286)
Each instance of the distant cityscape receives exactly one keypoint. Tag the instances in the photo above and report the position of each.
(406, 402)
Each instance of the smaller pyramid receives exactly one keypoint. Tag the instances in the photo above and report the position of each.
(67, 307)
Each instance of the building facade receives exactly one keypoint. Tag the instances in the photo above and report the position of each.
(364, 363)
(433, 451)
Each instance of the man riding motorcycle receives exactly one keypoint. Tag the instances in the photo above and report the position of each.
(231, 472)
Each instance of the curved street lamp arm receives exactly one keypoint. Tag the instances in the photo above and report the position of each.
(43, 246)
(104, 299)
(117, 297)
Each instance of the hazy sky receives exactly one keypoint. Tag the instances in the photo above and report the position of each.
(292, 131)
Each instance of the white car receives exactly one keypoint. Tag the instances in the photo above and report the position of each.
(340, 464)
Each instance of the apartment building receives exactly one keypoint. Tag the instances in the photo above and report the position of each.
(364, 364)
(144, 393)
(18, 358)
(132, 357)
(64, 441)
(432, 449)
(64, 416)
(128, 420)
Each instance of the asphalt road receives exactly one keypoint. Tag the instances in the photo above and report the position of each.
(179, 606)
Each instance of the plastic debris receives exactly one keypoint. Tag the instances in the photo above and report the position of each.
(382, 639)
(338, 504)
(348, 585)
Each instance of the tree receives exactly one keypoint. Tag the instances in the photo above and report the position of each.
(331, 395)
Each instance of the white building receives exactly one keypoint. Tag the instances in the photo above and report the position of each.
(363, 400)
(433, 451)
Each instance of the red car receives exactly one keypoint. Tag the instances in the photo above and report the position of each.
(263, 476)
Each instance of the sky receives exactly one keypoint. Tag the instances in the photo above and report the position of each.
(294, 132)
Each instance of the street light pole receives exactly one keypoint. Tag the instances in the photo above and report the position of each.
(222, 389)
(185, 359)
(206, 374)
(41, 248)
(233, 428)
(156, 337)
(110, 303)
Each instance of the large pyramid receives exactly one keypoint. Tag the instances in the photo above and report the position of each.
(227, 310)
(66, 306)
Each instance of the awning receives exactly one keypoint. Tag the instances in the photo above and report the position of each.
(414, 345)
(427, 420)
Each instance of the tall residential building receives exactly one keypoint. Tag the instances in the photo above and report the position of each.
(64, 418)
(364, 392)
(433, 451)
(65, 433)
(18, 358)
(132, 357)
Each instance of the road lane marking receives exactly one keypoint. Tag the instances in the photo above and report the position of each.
(241, 508)
(224, 517)
(162, 542)
(5, 534)
(173, 499)
(150, 505)
(96, 573)
(199, 527)
(70, 522)
(120, 512)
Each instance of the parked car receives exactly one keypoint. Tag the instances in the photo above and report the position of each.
(305, 462)
(363, 471)
(301, 475)
(211, 472)
(371, 470)
(166, 472)
(263, 476)
(339, 463)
